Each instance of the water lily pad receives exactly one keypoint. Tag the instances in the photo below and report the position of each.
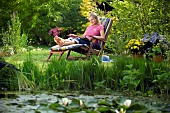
(138, 108)
(37, 111)
(103, 108)
(92, 104)
(74, 104)
(105, 102)
(77, 112)
(57, 106)
(32, 101)
(74, 110)
(91, 111)
(166, 109)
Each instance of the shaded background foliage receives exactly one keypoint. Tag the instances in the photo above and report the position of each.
(38, 17)
(132, 18)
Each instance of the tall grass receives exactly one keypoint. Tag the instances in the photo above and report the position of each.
(125, 73)
(23, 82)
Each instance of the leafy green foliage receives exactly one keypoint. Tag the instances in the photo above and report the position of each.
(8, 79)
(12, 39)
(132, 19)
(162, 81)
(45, 15)
(131, 78)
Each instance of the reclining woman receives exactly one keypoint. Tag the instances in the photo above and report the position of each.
(94, 31)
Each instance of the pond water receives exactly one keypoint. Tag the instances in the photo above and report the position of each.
(43, 102)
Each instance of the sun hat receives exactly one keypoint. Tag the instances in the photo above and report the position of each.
(105, 58)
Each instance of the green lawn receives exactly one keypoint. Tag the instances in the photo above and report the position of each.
(38, 55)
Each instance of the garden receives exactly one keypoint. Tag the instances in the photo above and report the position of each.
(135, 82)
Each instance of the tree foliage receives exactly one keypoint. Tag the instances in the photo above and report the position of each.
(45, 15)
(86, 7)
(38, 17)
(132, 18)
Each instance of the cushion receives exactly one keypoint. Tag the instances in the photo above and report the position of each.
(73, 46)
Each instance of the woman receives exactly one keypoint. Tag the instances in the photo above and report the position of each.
(94, 31)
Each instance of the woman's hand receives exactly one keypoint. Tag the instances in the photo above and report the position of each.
(90, 38)
(72, 35)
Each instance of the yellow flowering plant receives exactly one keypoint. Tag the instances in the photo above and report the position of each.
(135, 46)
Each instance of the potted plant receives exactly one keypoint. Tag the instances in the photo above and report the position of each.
(135, 47)
(155, 46)
(157, 53)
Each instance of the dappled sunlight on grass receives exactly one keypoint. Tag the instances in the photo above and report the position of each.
(36, 54)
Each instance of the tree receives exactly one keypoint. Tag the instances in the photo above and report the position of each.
(45, 15)
(6, 8)
(38, 17)
(137, 17)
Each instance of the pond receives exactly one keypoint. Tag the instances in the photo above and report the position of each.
(77, 102)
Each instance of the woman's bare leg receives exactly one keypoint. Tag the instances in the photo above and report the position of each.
(63, 42)
(66, 43)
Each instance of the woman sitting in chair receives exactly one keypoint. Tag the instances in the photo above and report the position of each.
(94, 31)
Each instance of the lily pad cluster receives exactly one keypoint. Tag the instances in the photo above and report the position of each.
(98, 106)
(57, 103)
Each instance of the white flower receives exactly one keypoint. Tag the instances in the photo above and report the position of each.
(65, 101)
(121, 111)
(23, 49)
(34, 50)
(81, 103)
(116, 111)
(39, 49)
(12, 52)
(127, 102)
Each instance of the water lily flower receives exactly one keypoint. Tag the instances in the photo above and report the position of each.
(127, 102)
(65, 101)
(121, 111)
(81, 103)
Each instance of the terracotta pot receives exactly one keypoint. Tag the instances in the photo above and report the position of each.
(137, 56)
(157, 58)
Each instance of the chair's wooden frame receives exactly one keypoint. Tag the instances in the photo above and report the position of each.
(87, 51)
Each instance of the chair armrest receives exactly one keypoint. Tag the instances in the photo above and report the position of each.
(100, 39)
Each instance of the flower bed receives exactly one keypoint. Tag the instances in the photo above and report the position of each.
(150, 45)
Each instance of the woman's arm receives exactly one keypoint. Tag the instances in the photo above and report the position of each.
(75, 36)
(101, 37)
(72, 35)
